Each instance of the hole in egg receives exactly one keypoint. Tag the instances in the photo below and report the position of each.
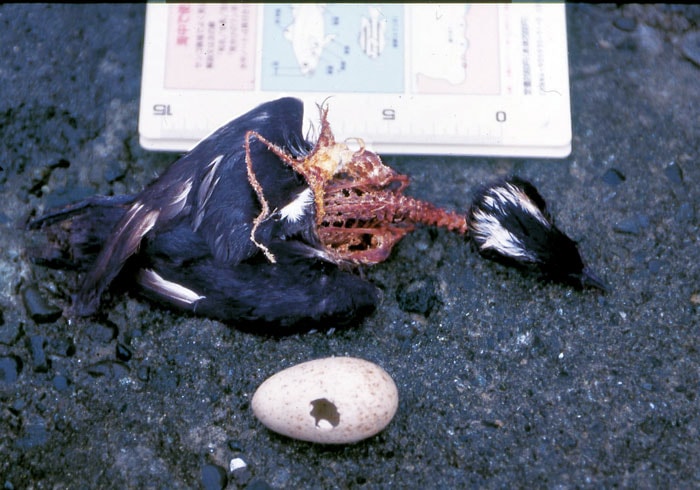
(325, 414)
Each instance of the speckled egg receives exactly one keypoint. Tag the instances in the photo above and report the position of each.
(335, 400)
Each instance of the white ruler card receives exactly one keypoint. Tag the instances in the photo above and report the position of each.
(460, 79)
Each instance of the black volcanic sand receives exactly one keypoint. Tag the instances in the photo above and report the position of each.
(504, 381)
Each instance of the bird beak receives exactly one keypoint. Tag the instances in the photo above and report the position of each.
(589, 279)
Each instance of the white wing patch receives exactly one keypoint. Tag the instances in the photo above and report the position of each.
(182, 195)
(143, 222)
(496, 237)
(206, 188)
(177, 204)
(296, 209)
(178, 293)
(510, 194)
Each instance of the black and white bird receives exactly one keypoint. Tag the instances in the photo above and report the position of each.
(508, 222)
(185, 240)
(195, 238)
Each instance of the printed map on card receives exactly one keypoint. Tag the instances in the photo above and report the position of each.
(463, 79)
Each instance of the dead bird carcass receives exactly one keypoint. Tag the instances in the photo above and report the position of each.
(256, 224)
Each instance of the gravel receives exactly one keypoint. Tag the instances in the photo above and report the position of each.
(504, 381)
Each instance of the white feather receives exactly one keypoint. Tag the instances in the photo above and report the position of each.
(150, 279)
(496, 237)
(510, 194)
(296, 209)
(206, 188)
(185, 189)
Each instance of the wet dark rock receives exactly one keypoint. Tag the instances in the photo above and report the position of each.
(626, 24)
(60, 382)
(558, 430)
(130, 335)
(628, 43)
(108, 369)
(685, 213)
(10, 334)
(418, 296)
(655, 266)
(235, 445)
(17, 406)
(102, 333)
(613, 177)
(34, 435)
(405, 332)
(143, 373)
(60, 163)
(674, 173)
(123, 353)
(690, 45)
(649, 40)
(62, 347)
(35, 124)
(280, 477)
(115, 171)
(60, 423)
(40, 177)
(645, 385)
(38, 308)
(165, 379)
(546, 346)
(37, 343)
(634, 225)
(10, 367)
(241, 476)
(213, 477)
(258, 484)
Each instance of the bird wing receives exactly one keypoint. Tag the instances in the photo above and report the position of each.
(225, 204)
(210, 186)
(279, 295)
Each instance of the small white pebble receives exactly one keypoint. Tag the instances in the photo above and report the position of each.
(237, 464)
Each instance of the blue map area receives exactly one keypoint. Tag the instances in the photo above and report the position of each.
(333, 48)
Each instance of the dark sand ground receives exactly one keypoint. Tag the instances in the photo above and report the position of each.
(504, 381)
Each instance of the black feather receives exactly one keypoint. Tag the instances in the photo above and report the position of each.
(508, 222)
(185, 242)
(76, 233)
